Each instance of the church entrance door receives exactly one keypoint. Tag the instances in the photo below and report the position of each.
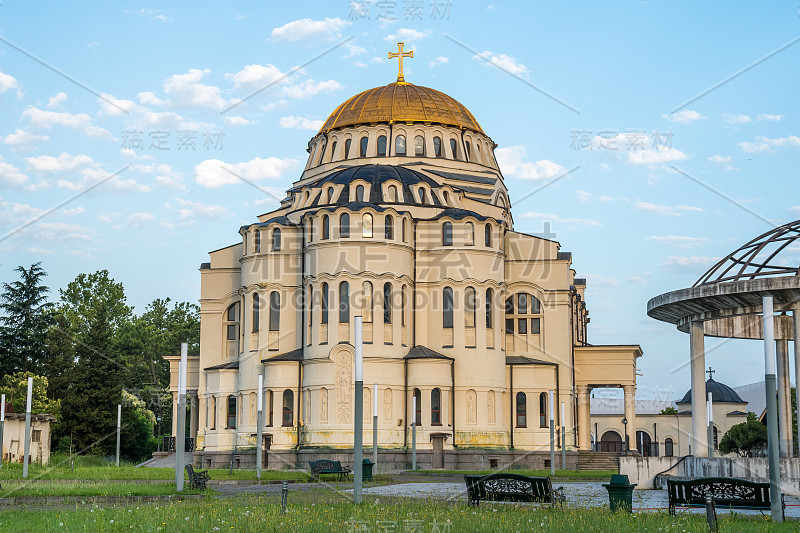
(611, 442)
(438, 452)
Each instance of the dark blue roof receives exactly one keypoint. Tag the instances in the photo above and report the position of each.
(720, 393)
(458, 214)
(377, 175)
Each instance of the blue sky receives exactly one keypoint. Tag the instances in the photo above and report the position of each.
(617, 77)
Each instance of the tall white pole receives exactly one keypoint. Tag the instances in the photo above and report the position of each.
(772, 411)
(413, 432)
(27, 457)
(180, 438)
(552, 436)
(259, 424)
(358, 435)
(119, 425)
(374, 428)
(710, 408)
(563, 439)
(2, 425)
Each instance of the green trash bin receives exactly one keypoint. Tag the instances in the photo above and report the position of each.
(366, 470)
(620, 493)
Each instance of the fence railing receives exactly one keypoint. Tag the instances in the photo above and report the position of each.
(169, 444)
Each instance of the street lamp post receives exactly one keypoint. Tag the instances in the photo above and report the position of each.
(625, 422)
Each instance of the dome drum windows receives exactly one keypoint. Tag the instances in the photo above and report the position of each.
(366, 226)
(326, 228)
(382, 145)
(400, 145)
(363, 143)
(391, 193)
(347, 144)
(454, 149)
(359, 193)
(523, 323)
(344, 226)
(388, 227)
(437, 147)
(419, 146)
(447, 234)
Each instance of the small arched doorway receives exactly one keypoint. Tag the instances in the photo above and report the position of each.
(611, 442)
(643, 444)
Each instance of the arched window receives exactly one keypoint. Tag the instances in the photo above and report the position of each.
(400, 145)
(469, 308)
(447, 308)
(326, 227)
(437, 146)
(388, 227)
(255, 313)
(436, 407)
(270, 408)
(325, 303)
(477, 152)
(366, 307)
(382, 145)
(212, 407)
(366, 226)
(363, 145)
(489, 305)
(330, 195)
(274, 311)
(347, 145)
(447, 234)
(288, 408)
(276, 240)
(344, 226)
(360, 193)
(487, 235)
(333, 151)
(509, 312)
(423, 198)
(231, 412)
(344, 302)
(387, 303)
(405, 237)
(310, 230)
(668, 447)
(446, 198)
(244, 243)
(403, 300)
(543, 410)
(257, 235)
(418, 412)
(232, 322)
(454, 148)
(468, 154)
(392, 193)
(419, 145)
(470, 234)
(522, 410)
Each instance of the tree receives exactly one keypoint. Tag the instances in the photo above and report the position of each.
(746, 438)
(137, 441)
(25, 320)
(15, 387)
(669, 411)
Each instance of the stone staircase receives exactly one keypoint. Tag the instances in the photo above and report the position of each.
(588, 460)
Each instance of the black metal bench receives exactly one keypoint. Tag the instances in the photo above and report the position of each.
(326, 466)
(197, 480)
(730, 493)
(512, 488)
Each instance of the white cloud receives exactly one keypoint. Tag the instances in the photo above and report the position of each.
(140, 220)
(22, 140)
(685, 265)
(305, 29)
(771, 118)
(55, 101)
(189, 212)
(666, 210)
(8, 82)
(653, 156)
(236, 121)
(504, 62)
(307, 88)
(736, 119)
(210, 173)
(441, 60)
(551, 217)
(754, 148)
(112, 106)
(300, 123)
(678, 241)
(684, 117)
(407, 34)
(90, 176)
(62, 163)
(150, 13)
(766, 144)
(169, 120)
(149, 98)
(512, 161)
(354, 49)
(583, 196)
(11, 175)
(255, 75)
(185, 90)
(50, 119)
(720, 159)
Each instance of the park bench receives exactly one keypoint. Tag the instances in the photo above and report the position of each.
(723, 492)
(197, 480)
(326, 466)
(511, 487)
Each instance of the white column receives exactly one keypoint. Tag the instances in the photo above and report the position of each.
(584, 418)
(784, 398)
(174, 413)
(630, 414)
(796, 343)
(698, 364)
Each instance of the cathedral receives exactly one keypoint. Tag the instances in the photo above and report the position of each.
(401, 216)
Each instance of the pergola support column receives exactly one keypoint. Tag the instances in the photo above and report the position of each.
(784, 398)
(796, 343)
(584, 418)
(697, 365)
(629, 440)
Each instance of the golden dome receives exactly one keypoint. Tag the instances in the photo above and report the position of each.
(401, 102)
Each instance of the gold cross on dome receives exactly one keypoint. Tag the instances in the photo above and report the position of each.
(400, 55)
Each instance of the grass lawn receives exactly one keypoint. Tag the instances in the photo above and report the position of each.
(322, 511)
(560, 474)
(88, 488)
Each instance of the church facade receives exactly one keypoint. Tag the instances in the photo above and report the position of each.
(401, 216)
